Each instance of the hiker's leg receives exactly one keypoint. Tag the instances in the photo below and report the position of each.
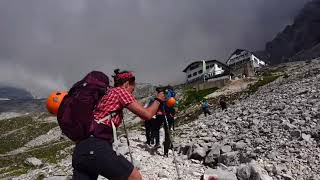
(79, 175)
(157, 136)
(148, 131)
(170, 121)
(81, 159)
(153, 127)
(135, 175)
(96, 156)
(167, 142)
(204, 112)
(158, 123)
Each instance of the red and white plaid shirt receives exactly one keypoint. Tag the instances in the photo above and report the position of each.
(114, 101)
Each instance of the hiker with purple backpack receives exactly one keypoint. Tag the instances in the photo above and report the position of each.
(89, 114)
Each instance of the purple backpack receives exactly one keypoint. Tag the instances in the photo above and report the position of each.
(75, 114)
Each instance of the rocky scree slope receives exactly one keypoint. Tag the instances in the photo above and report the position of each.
(278, 126)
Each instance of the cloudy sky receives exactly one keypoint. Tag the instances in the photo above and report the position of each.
(49, 44)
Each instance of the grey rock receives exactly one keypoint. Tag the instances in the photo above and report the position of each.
(123, 149)
(226, 149)
(240, 146)
(162, 174)
(287, 177)
(219, 174)
(208, 139)
(198, 153)
(306, 137)
(272, 155)
(258, 173)
(213, 156)
(185, 148)
(34, 162)
(58, 178)
(230, 158)
(259, 141)
(295, 133)
(243, 172)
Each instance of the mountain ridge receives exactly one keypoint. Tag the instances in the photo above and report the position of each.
(298, 41)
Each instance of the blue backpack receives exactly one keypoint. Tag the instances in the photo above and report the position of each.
(205, 105)
(171, 93)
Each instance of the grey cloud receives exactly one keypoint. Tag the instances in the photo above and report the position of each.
(57, 42)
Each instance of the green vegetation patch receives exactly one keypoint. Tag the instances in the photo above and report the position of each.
(13, 165)
(14, 170)
(193, 96)
(266, 79)
(23, 130)
(49, 153)
(7, 125)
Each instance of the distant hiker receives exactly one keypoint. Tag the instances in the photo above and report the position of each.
(222, 102)
(205, 108)
(95, 156)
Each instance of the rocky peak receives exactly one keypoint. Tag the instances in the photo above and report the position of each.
(297, 41)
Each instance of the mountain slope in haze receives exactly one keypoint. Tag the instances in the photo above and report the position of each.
(7, 92)
(299, 41)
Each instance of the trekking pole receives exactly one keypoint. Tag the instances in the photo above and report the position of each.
(128, 142)
(171, 140)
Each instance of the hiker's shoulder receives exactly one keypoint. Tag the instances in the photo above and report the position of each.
(117, 90)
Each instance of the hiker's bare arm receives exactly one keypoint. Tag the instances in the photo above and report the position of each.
(146, 113)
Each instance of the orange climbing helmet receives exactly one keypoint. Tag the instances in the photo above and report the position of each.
(54, 100)
(171, 102)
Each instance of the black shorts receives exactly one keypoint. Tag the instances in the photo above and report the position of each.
(93, 157)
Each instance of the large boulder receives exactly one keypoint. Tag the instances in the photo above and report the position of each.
(252, 171)
(229, 159)
(213, 156)
(198, 153)
(34, 162)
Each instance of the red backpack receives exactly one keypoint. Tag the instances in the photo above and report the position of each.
(75, 114)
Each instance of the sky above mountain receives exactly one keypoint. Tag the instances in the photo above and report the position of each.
(47, 45)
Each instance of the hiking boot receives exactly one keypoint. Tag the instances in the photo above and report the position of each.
(156, 146)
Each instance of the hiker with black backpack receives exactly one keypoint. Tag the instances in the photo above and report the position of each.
(102, 108)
